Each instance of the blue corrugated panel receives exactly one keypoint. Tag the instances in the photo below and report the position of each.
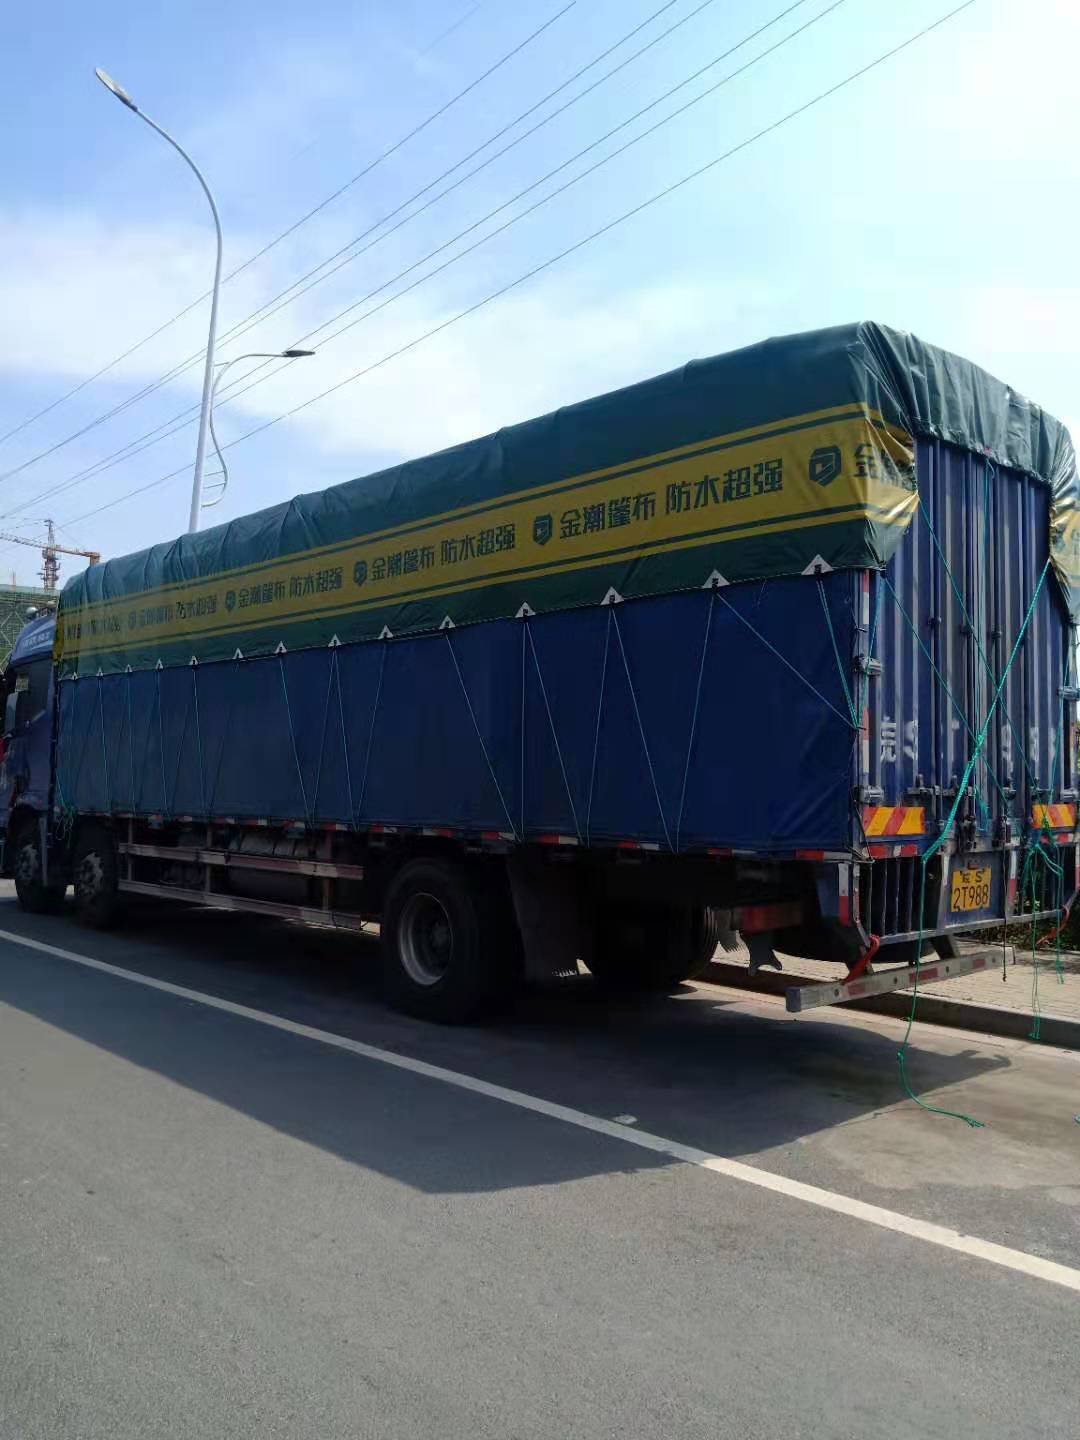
(965, 575)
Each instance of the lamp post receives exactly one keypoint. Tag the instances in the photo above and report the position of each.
(223, 365)
(208, 374)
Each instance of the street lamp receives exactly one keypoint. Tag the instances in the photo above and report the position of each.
(208, 374)
(223, 365)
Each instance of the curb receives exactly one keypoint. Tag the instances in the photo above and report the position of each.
(932, 1009)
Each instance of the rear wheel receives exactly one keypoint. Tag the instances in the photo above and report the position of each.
(95, 876)
(450, 948)
(652, 946)
(35, 896)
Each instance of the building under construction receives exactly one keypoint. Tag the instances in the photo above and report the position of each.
(16, 600)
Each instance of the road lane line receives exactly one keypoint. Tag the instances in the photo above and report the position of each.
(943, 1236)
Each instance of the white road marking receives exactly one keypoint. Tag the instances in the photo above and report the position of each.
(941, 1235)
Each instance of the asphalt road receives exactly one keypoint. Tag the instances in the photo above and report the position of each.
(211, 1227)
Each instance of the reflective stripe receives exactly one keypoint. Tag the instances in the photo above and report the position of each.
(884, 820)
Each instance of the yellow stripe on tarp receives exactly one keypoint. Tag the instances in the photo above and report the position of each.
(650, 506)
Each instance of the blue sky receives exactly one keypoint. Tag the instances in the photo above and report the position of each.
(938, 194)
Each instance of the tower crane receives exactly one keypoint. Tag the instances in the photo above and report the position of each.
(50, 554)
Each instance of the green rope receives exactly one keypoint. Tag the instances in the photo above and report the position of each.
(944, 685)
(974, 634)
(980, 741)
(836, 652)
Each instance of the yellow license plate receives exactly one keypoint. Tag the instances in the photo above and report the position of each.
(970, 890)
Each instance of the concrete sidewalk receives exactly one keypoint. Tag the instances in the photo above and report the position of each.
(1004, 1000)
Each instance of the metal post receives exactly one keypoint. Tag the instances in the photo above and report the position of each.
(208, 372)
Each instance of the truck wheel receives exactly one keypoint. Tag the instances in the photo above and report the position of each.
(653, 947)
(34, 897)
(448, 942)
(94, 872)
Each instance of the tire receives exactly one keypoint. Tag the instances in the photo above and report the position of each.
(652, 947)
(95, 874)
(34, 897)
(449, 942)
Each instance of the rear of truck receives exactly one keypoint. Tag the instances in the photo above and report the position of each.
(968, 783)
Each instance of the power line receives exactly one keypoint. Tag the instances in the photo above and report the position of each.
(264, 311)
(563, 254)
(336, 194)
(163, 430)
(452, 28)
(271, 306)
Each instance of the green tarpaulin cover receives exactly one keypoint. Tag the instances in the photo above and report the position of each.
(771, 460)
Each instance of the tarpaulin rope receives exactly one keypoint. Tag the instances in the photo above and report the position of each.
(479, 735)
(131, 739)
(198, 738)
(941, 679)
(333, 678)
(554, 735)
(865, 694)
(836, 652)
(322, 732)
(161, 747)
(932, 850)
(975, 636)
(104, 746)
(344, 732)
(521, 732)
(641, 730)
(180, 751)
(292, 740)
(237, 662)
(694, 715)
(596, 734)
(371, 732)
(847, 719)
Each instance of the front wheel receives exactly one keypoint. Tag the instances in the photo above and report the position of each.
(35, 897)
(95, 876)
(449, 941)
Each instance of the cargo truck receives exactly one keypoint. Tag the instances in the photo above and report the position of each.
(779, 645)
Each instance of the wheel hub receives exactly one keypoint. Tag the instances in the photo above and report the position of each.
(27, 865)
(426, 940)
(91, 874)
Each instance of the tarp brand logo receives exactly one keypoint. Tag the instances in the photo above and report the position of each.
(826, 464)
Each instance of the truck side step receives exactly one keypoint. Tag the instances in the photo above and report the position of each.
(899, 977)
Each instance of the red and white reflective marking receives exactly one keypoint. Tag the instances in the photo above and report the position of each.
(752, 919)
(843, 899)
(557, 840)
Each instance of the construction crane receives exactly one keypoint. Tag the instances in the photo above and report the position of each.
(50, 554)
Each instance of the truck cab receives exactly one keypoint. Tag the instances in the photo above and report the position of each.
(25, 760)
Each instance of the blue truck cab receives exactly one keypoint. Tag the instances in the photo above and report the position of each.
(26, 747)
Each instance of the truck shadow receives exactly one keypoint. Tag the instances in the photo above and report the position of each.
(694, 1067)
